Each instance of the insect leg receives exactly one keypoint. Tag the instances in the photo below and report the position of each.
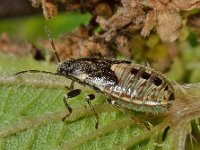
(71, 85)
(71, 94)
(88, 99)
(113, 102)
(34, 71)
(164, 135)
(125, 112)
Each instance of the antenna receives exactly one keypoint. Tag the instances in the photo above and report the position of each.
(52, 43)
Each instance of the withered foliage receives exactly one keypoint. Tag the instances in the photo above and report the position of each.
(12, 47)
(16, 48)
(49, 8)
(119, 21)
(78, 44)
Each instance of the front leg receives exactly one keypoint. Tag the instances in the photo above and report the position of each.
(71, 94)
(71, 86)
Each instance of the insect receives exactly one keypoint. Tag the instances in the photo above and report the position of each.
(127, 85)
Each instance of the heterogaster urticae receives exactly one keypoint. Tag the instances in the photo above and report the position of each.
(127, 85)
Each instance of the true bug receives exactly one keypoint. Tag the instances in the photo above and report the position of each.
(128, 85)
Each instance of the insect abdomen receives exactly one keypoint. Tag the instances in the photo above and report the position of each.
(140, 87)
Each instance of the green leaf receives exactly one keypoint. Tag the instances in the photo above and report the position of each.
(31, 110)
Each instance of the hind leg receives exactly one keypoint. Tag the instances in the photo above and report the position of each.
(125, 111)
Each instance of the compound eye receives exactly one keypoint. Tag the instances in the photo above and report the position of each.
(61, 70)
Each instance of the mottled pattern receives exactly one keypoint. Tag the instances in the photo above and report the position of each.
(129, 85)
(142, 86)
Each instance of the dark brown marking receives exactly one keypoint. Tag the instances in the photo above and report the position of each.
(171, 97)
(166, 88)
(145, 75)
(134, 71)
(157, 81)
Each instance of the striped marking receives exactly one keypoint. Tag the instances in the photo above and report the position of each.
(135, 89)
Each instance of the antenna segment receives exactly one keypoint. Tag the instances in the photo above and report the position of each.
(52, 43)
